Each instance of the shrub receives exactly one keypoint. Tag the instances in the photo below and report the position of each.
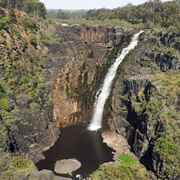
(121, 172)
(45, 40)
(168, 151)
(14, 167)
(4, 103)
(24, 42)
(165, 145)
(19, 161)
(17, 33)
(128, 169)
(4, 23)
(33, 40)
(25, 80)
(30, 23)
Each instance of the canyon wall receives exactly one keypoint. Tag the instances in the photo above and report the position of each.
(145, 102)
(83, 50)
(48, 73)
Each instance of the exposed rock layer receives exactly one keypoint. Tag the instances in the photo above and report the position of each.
(85, 49)
(141, 107)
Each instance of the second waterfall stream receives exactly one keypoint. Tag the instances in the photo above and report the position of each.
(96, 121)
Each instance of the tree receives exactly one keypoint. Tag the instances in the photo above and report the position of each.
(41, 10)
(62, 15)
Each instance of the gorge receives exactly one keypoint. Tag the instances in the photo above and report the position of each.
(95, 152)
(49, 75)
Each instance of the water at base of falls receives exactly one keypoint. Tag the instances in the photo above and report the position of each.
(96, 121)
(93, 127)
(79, 143)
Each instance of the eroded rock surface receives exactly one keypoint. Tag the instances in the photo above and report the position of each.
(45, 175)
(144, 102)
(84, 50)
(67, 166)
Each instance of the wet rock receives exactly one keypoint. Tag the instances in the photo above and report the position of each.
(67, 166)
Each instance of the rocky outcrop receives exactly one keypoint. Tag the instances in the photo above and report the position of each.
(45, 175)
(141, 106)
(166, 62)
(25, 104)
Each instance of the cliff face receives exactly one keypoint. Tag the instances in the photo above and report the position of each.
(37, 57)
(145, 102)
(84, 50)
(25, 105)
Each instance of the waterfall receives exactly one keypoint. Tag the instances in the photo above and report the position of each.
(104, 91)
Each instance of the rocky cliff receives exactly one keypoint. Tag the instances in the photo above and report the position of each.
(83, 50)
(25, 100)
(36, 58)
(145, 102)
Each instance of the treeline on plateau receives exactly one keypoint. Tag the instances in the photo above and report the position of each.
(66, 14)
(164, 13)
(29, 6)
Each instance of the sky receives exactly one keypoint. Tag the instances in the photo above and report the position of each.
(88, 4)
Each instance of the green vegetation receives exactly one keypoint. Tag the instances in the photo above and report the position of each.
(165, 14)
(45, 40)
(66, 14)
(167, 147)
(4, 23)
(22, 74)
(33, 40)
(4, 103)
(29, 6)
(151, 14)
(153, 107)
(2, 91)
(128, 169)
(105, 23)
(14, 167)
(125, 159)
(30, 23)
(17, 33)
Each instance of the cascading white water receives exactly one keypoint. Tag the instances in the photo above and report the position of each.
(96, 120)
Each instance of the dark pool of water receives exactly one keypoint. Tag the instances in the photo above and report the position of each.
(78, 142)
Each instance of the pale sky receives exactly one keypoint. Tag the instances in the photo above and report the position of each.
(88, 4)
